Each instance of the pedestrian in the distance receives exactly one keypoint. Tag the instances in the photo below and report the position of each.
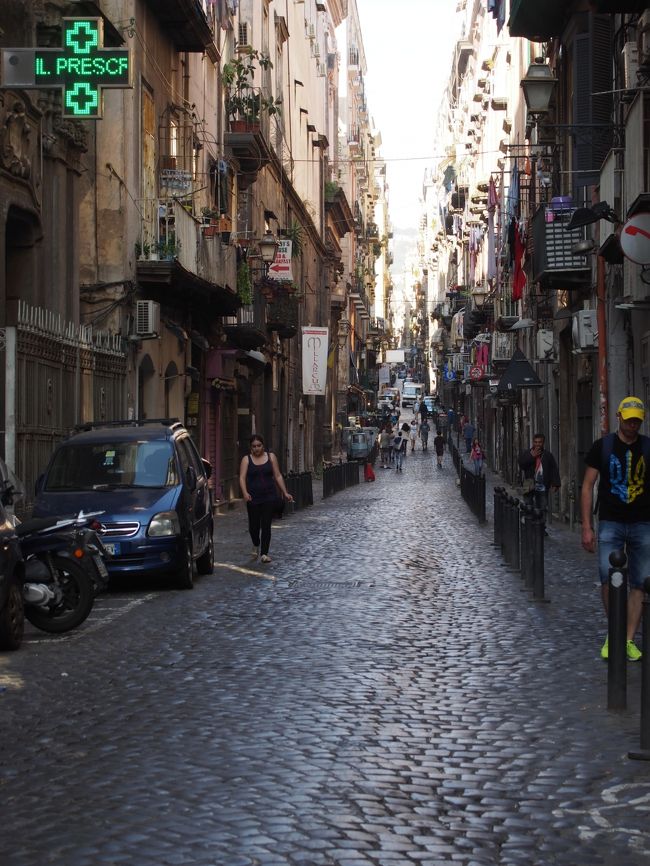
(261, 485)
(413, 433)
(476, 456)
(468, 435)
(384, 446)
(399, 447)
(620, 462)
(424, 434)
(540, 473)
(439, 448)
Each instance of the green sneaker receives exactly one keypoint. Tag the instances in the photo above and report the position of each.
(604, 653)
(633, 653)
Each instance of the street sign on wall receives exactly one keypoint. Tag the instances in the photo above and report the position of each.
(635, 239)
(81, 68)
(280, 268)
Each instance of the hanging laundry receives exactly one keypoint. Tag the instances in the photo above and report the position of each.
(492, 204)
(518, 277)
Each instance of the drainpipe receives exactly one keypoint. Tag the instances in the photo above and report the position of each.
(601, 317)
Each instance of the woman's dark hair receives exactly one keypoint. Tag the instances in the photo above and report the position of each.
(256, 438)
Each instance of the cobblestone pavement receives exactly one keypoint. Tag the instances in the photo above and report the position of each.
(382, 693)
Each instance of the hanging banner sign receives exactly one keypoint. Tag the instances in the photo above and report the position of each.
(82, 68)
(314, 360)
(280, 268)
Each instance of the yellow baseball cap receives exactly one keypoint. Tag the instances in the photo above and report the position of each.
(631, 407)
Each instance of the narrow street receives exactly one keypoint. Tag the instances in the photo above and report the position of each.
(385, 695)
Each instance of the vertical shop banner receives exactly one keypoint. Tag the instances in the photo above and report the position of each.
(315, 342)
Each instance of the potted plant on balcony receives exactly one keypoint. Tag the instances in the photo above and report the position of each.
(245, 102)
(244, 283)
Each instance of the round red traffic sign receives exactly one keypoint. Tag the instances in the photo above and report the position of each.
(475, 373)
(635, 239)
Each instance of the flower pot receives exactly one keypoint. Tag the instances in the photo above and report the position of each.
(153, 257)
(210, 231)
(244, 126)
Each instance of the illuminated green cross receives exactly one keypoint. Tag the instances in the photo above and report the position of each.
(83, 67)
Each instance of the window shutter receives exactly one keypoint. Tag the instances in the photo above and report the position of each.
(592, 74)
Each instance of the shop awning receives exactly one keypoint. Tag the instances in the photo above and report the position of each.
(517, 375)
(537, 21)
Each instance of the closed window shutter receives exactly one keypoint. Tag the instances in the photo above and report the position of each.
(592, 74)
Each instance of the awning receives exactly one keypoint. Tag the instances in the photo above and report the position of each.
(518, 374)
(537, 21)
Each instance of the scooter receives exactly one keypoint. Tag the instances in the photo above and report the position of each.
(64, 569)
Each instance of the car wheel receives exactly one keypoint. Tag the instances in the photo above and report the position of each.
(205, 562)
(185, 574)
(12, 619)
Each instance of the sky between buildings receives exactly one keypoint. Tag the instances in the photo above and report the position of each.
(409, 48)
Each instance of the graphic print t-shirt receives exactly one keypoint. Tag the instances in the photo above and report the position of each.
(624, 485)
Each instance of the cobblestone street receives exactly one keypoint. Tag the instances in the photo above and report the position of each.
(382, 693)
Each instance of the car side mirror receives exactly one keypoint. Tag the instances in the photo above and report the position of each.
(207, 466)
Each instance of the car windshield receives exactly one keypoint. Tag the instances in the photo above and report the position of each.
(109, 465)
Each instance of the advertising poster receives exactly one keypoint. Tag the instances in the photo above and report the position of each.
(314, 360)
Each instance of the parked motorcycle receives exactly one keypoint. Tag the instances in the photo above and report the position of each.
(64, 569)
(58, 568)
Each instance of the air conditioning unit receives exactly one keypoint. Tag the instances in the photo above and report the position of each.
(585, 330)
(630, 55)
(546, 348)
(147, 318)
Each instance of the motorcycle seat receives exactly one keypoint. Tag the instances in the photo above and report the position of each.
(35, 524)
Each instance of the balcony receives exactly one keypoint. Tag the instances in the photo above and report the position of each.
(200, 270)
(187, 24)
(537, 21)
(283, 314)
(553, 264)
(246, 329)
(248, 142)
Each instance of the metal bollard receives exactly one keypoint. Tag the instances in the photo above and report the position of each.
(498, 529)
(481, 499)
(516, 533)
(510, 529)
(525, 519)
(617, 632)
(505, 541)
(537, 553)
(644, 753)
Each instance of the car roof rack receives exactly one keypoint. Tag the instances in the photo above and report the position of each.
(129, 422)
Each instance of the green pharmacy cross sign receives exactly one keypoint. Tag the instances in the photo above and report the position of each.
(82, 68)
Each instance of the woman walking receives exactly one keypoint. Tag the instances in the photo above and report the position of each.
(260, 480)
(476, 456)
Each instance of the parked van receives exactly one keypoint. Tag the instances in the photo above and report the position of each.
(413, 392)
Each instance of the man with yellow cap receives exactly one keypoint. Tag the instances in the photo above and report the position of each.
(620, 463)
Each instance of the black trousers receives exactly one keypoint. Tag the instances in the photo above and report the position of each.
(259, 522)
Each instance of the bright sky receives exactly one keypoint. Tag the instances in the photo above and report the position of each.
(409, 47)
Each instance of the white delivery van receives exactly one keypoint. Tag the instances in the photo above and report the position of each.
(412, 392)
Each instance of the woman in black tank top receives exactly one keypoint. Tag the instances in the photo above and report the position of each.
(260, 480)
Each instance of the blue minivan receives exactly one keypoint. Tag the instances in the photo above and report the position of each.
(152, 485)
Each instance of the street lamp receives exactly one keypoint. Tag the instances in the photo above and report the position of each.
(479, 294)
(268, 247)
(538, 85)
